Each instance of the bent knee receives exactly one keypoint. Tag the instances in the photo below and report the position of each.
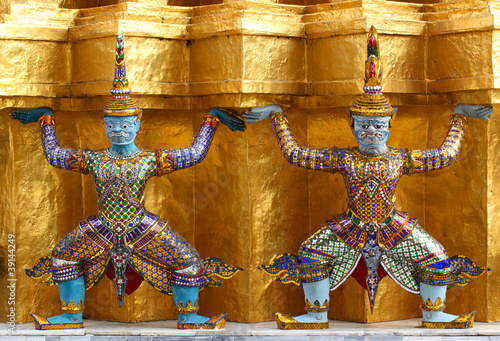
(64, 270)
(60, 263)
(193, 269)
(438, 273)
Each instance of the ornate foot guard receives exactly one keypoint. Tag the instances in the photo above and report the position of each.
(288, 322)
(216, 322)
(41, 323)
(464, 321)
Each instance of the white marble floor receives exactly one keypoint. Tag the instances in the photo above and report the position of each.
(402, 330)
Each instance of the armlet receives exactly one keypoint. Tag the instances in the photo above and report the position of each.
(279, 116)
(333, 162)
(211, 120)
(413, 160)
(164, 162)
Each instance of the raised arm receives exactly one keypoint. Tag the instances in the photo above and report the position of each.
(433, 159)
(169, 160)
(57, 156)
(318, 159)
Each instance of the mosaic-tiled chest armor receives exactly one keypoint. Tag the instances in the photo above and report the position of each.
(371, 182)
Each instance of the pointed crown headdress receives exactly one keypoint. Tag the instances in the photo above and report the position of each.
(121, 104)
(372, 102)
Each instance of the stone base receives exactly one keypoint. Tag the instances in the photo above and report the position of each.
(402, 330)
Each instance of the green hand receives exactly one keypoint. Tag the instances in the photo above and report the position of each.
(231, 121)
(26, 116)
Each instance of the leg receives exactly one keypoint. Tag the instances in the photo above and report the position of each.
(433, 297)
(187, 311)
(314, 279)
(433, 294)
(434, 276)
(185, 288)
(325, 262)
(432, 270)
(170, 249)
(72, 295)
(68, 274)
(317, 297)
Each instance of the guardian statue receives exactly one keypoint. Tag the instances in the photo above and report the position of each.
(372, 229)
(124, 233)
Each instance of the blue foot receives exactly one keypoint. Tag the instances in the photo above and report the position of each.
(312, 318)
(437, 316)
(192, 318)
(464, 321)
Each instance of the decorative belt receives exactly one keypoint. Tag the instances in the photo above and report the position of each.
(389, 232)
(137, 232)
(371, 226)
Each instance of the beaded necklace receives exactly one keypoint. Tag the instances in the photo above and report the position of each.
(112, 155)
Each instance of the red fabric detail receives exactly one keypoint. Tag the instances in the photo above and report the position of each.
(134, 279)
(360, 273)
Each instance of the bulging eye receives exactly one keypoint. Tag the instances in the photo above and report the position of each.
(124, 126)
(364, 126)
(110, 126)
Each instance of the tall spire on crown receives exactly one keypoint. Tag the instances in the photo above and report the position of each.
(121, 104)
(372, 102)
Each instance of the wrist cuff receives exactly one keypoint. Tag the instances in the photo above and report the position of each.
(46, 119)
(211, 120)
(277, 116)
(456, 118)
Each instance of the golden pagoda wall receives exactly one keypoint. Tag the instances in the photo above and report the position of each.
(245, 203)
